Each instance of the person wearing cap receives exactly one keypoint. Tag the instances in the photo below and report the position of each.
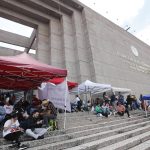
(12, 131)
(49, 111)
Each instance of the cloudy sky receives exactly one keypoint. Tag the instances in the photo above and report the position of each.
(126, 13)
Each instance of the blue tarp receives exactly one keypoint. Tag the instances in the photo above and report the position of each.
(146, 97)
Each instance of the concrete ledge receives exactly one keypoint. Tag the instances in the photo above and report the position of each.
(116, 134)
(84, 134)
(110, 140)
(142, 146)
(131, 142)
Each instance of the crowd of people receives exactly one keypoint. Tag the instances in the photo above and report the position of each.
(107, 105)
(79, 105)
(32, 119)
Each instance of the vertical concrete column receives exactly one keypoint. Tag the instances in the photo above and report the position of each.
(82, 47)
(56, 43)
(69, 47)
(43, 45)
(88, 43)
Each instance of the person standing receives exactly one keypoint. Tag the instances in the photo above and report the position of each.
(113, 102)
(120, 98)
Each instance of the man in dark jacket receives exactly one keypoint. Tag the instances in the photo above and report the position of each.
(129, 101)
(33, 126)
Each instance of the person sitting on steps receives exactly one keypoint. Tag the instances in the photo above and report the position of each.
(49, 114)
(120, 109)
(12, 131)
(33, 126)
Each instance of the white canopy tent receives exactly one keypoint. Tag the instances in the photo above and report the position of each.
(122, 90)
(114, 90)
(90, 87)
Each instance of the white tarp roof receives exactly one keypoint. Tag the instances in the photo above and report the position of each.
(90, 87)
(122, 90)
(116, 90)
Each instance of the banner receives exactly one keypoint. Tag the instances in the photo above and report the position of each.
(57, 94)
(42, 91)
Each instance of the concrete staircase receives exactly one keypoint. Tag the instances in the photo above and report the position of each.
(85, 131)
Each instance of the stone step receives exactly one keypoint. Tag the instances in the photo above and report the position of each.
(89, 130)
(99, 143)
(74, 119)
(142, 146)
(88, 120)
(106, 124)
(85, 114)
(91, 126)
(131, 142)
(81, 122)
(78, 121)
(100, 123)
(107, 127)
(130, 130)
(103, 122)
(74, 114)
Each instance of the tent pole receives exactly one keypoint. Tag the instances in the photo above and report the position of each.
(65, 103)
(86, 96)
(90, 101)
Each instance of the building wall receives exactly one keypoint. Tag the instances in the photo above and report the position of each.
(85, 43)
(112, 55)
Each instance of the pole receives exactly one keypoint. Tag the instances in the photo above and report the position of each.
(145, 108)
(90, 102)
(86, 96)
(66, 94)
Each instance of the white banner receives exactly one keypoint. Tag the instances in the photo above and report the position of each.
(42, 91)
(57, 94)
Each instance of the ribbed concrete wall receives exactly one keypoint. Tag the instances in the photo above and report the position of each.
(113, 59)
(89, 46)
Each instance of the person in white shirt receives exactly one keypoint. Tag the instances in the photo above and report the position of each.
(12, 131)
(78, 103)
(74, 103)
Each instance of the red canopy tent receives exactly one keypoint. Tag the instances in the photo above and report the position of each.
(24, 72)
(60, 80)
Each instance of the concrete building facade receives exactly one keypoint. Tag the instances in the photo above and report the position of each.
(69, 35)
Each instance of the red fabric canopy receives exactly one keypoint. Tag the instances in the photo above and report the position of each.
(24, 72)
(60, 80)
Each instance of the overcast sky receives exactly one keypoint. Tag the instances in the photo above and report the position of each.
(126, 13)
